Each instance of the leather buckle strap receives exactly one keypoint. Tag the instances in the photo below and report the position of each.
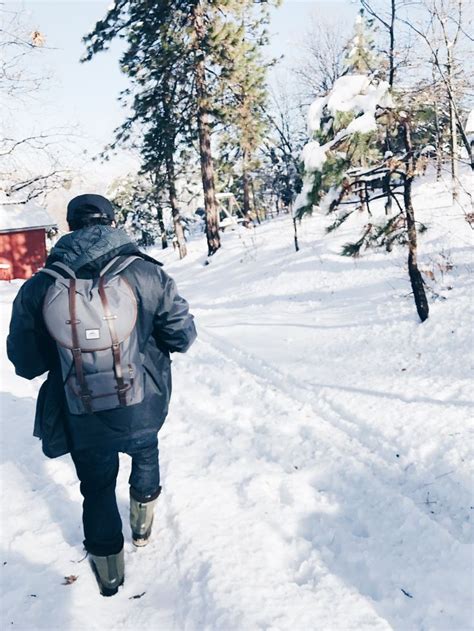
(109, 318)
(76, 350)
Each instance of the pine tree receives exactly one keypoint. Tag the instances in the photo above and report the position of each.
(282, 169)
(192, 44)
(157, 106)
(360, 57)
(351, 127)
(223, 49)
(161, 139)
(139, 204)
(345, 134)
(245, 101)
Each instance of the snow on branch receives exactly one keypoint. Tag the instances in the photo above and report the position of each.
(357, 95)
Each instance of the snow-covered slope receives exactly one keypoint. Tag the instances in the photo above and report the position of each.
(316, 459)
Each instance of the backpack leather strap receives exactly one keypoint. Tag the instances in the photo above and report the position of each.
(109, 317)
(76, 351)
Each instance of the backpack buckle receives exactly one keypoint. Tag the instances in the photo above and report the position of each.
(86, 399)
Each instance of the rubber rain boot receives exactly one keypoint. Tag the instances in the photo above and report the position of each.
(141, 520)
(109, 572)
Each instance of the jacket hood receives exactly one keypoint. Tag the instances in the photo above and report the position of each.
(91, 248)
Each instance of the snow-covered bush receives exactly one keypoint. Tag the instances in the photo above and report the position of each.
(345, 135)
(139, 210)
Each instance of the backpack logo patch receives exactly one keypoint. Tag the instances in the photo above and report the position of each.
(92, 334)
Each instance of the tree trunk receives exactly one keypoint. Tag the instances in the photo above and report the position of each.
(454, 113)
(178, 226)
(207, 168)
(416, 280)
(161, 223)
(295, 229)
(454, 109)
(439, 135)
(246, 184)
(391, 78)
(391, 75)
(454, 150)
(363, 201)
(170, 173)
(453, 133)
(387, 192)
(254, 202)
(439, 143)
(387, 176)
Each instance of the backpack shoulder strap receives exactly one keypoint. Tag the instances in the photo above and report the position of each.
(50, 272)
(58, 270)
(65, 268)
(109, 265)
(150, 259)
(117, 265)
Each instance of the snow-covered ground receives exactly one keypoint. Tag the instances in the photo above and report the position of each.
(317, 459)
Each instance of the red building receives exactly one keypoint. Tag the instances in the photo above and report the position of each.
(22, 239)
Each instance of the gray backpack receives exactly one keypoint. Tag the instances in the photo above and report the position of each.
(93, 323)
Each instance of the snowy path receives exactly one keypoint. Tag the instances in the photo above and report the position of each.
(308, 486)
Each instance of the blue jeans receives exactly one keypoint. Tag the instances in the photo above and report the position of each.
(97, 471)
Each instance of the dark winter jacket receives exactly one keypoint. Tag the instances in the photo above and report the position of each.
(164, 326)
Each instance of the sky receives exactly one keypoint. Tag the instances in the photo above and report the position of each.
(83, 97)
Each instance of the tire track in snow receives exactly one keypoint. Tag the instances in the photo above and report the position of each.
(374, 445)
(383, 498)
(239, 522)
(323, 410)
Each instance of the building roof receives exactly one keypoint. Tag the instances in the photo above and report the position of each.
(24, 217)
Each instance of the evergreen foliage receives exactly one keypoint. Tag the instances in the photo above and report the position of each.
(286, 175)
(244, 115)
(332, 117)
(194, 64)
(139, 209)
(363, 140)
(360, 52)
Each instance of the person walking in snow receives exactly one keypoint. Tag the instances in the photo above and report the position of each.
(102, 318)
